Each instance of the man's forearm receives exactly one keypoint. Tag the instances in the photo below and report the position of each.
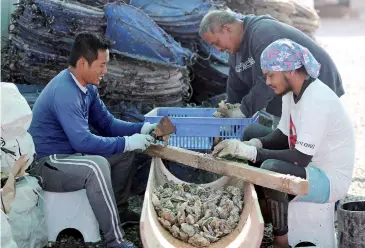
(124, 128)
(289, 155)
(275, 140)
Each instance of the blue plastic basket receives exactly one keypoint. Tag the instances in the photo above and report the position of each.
(196, 127)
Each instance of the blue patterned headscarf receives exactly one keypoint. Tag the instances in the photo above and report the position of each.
(286, 55)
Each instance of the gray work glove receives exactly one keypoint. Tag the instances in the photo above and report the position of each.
(147, 127)
(138, 142)
(254, 142)
(236, 149)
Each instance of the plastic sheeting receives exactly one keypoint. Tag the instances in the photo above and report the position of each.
(6, 235)
(210, 80)
(26, 217)
(98, 3)
(221, 57)
(139, 81)
(41, 36)
(12, 149)
(69, 17)
(179, 18)
(16, 115)
(43, 31)
(136, 35)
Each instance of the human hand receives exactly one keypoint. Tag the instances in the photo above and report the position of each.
(147, 127)
(236, 149)
(254, 142)
(138, 142)
(228, 110)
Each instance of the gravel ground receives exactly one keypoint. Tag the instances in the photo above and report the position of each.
(344, 39)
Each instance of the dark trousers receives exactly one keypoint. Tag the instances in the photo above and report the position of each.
(107, 183)
(277, 202)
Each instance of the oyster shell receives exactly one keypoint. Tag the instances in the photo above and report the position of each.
(189, 229)
(209, 237)
(198, 208)
(166, 224)
(175, 231)
(184, 236)
(168, 215)
(199, 241)
(166, 203)
(234, 191)
(195, 214)
(190, 219)
(155, 201)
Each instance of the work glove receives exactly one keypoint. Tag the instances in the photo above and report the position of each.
(254, 142)
(138, 142)
(147, 127)
(228, 110)
(236, 149)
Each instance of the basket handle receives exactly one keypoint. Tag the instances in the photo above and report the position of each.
(257, 115)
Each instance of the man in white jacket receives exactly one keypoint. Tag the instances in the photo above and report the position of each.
(314, 140)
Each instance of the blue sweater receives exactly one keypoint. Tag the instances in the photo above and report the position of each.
(61, 118)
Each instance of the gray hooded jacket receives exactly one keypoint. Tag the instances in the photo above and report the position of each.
(246, 82)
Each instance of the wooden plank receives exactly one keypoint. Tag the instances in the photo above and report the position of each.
(284, 183)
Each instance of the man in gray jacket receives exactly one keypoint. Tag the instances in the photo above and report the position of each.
(245, 39)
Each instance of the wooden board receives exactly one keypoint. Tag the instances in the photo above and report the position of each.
(284, 183)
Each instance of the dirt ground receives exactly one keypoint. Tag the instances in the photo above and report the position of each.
(344, 39)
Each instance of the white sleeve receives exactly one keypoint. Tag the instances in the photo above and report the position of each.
(313, 126)
(285, 113)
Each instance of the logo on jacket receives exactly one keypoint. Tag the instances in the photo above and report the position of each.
(244, 66)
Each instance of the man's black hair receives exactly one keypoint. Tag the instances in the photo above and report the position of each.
(86, 45)
(301, 70)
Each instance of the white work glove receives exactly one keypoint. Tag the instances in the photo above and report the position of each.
(147, 127)
(138, 142)
(236, 149)
(228, 110)
(254, 142)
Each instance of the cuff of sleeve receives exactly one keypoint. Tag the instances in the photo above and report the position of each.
(309, 150)
(244, 111)
(125, 145)
(139, 127)
(262, 144)
(260, 155)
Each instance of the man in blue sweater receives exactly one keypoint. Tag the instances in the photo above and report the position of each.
(70, 157)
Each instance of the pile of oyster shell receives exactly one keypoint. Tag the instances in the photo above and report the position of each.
(196, 214)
